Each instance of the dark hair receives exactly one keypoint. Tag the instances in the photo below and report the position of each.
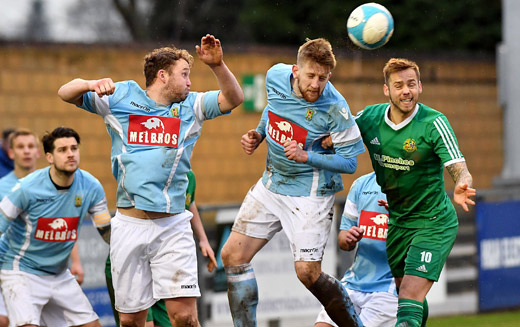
(60, 132)
(6, 132)
(317, 50)
(163, 58)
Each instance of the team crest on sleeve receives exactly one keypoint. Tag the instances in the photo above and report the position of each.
(375, 224)
(310, 113)
(153, 130)
(59, 229)
(410, 145)
(281, 130)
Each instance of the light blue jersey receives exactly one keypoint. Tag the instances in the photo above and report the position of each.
(151, 143)
(370, 271)
(7, 183)
(44, 222)
(287, 116)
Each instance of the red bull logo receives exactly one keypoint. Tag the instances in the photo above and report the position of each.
(281, 130)
(153, 130)
(57, 229)
(375, 225)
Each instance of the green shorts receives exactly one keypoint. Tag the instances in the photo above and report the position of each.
(420, 252)
(158, 314)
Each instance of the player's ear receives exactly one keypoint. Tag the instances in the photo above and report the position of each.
(420, 87)
(295, 71)
(49, 157)
(10, 153)
(386, 91)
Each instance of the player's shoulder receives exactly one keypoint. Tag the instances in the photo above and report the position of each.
(428, 114)
(278, 72)
(86, 177)
(373, 110)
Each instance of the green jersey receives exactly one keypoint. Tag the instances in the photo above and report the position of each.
(409, 160)
(190, 190)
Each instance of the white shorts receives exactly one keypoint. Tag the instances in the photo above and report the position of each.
(55, 300)
(306, 220)
(377, 309)
(152, 259)
(3, 310)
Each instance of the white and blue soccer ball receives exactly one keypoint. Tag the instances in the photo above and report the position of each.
(370, 26)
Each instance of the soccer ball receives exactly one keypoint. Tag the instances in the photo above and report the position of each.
(370, 26)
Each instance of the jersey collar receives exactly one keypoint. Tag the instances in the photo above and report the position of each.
(402, 124)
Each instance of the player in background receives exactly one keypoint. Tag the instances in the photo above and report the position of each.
(297, 189)
(368, 281)
(23, 149)
(40, 220)
(409, 144)
(6, 163)
(153, 133)
(157, 313)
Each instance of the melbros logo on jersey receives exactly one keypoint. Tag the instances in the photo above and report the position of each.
(60, 229)
(281, 130)
(153, 130)
(375, 224)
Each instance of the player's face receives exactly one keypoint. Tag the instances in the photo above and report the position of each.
(178, 81)
(403, 89)
(311, 79)
(65, 157)
(25, 152)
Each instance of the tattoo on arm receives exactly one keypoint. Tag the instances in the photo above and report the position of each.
(460, 173)
(105, 233)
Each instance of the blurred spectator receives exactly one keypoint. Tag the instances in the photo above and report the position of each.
(6, 164)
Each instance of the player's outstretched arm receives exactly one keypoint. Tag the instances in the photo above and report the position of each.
(250, 141)
(200, 233)
(210, 52)
(463, 181)
(347, 239)
(73, 91)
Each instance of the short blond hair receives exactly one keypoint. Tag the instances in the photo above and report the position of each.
(21, 132)
(395, 65)
(317, 50)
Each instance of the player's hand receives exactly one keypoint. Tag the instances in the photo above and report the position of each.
(383, 203)
(210, 51)
(104, 86)
(294, 152)
(250, 141)
(77, 270)
(207, 251)
(326, 142)
(462, 194)
(347, 239)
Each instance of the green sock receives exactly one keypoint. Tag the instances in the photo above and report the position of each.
(424, 313)
(409, 313)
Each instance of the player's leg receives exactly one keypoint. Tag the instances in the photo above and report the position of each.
(25, 295)
(173, 263)
(159, 315)
(306, 221)
(329, 291)
(254, 226)
(68, 305)
(182, 311)
(237, 254)
(377, 309)
(424, 260)
(131, 273)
